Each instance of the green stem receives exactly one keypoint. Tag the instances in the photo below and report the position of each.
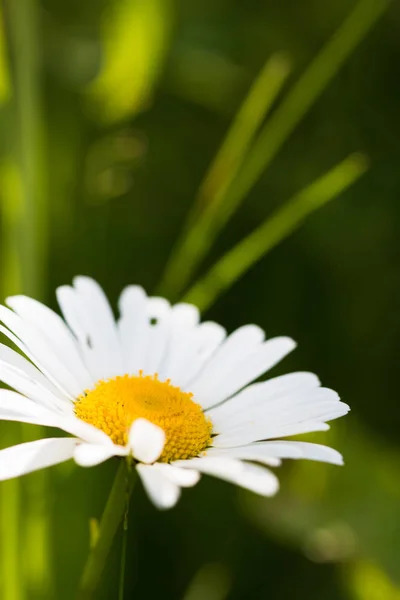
(128, 489)
(123, 555)
(113, 514)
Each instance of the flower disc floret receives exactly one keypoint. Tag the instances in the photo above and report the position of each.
(114, 404)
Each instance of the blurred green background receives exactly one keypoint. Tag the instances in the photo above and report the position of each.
(111, 114)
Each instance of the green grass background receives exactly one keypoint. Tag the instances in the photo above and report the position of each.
(110, 116)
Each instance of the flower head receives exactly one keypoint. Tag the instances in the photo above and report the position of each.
(158, 385)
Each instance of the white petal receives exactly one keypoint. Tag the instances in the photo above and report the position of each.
(133, 327)
(88, 314)
(40, 351)
(158, 338)
(43, 420)
(182, 321)
(71, 425)
(252, 366)
(24, 377)
(185, 316)
(300, 428)
(83, 430)
(100, 325)
(158, 313)
(265, 451)
(181, 477)
(161, 490)
(144, 329)
(189, 350)
(313, 452)
(74, 314)
(31, 456)
(146, 440)
(290, 415)
(240, 359)
(252, 477)
(245, 453)
(9, 356)
(56, 332)
(257, 397)
(242, 341)
(89, 455)
(14, 407)
(14, 402)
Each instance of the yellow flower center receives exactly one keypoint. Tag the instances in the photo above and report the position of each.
(113, 406)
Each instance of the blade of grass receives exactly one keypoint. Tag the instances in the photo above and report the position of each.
(257, 103)
(27, 143)
(303, 95)
(114, 513)
(198, 238)
(30, 246)
(367, 575)
(212, 581)
(284, 221)
(11, 584)
(5, 85)
(228, 160)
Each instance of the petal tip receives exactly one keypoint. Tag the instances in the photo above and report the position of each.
(146, 440)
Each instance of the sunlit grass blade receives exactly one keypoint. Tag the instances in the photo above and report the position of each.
(28, 250)
(302, 96)
(199, 237)
(27, 144)
(11, 207)
(135, 36)
(212, 581)
(5, 84)
(11, 582)
(366, 575)
(230, 156)
(284, 221)
(222, 171)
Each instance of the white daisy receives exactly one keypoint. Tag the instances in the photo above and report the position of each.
(156, 384)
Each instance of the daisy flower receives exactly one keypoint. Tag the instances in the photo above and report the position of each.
(157, 385)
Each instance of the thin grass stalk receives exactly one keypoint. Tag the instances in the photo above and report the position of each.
(31, 249)
(114, 514)
(22, 17)
(235, 263)
(11, 583)
(221, 173)
(201, 233)
(301, 97)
